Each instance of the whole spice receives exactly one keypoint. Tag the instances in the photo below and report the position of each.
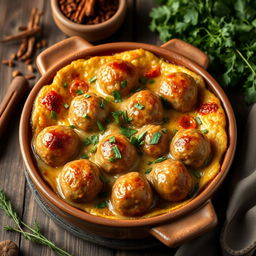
(224, 29)
(8, 248)
(33, 233)
(88, 11)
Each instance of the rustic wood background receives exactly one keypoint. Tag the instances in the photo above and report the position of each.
(12, 180)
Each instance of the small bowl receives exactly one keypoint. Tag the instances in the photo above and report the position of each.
(91, 33)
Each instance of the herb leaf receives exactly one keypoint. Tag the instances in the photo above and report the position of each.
(117, 96)
(116, 152)
(139, 106)
(155, 138)
(128, 132)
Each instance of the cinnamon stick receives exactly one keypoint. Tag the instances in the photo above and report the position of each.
(21, 35)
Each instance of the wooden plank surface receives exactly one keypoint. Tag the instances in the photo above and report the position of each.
(14, 14)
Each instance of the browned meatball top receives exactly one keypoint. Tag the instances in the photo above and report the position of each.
(180, 90)
(80, 181)
(191, 147)
(57, 145)
(131, 194)
(156, 140)
(115, 154)
(119, 76)
(145, 107)
(171, 180)
(88, 109)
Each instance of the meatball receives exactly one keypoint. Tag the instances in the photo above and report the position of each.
(156, 140)
(57, 145)
(191, 147)
(131, 194)
(85, 110)
(119, 76)
(171, 180)
(80, 181)
(115, 154)
(145, 107)
(180, 90)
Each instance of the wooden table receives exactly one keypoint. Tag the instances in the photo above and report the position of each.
(12, 180)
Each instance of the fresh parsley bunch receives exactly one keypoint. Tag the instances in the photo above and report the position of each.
(224, 29)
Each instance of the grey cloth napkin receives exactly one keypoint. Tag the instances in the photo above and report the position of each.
(236, 232)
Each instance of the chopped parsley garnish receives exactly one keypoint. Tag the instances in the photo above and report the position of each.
(95, 139)
(139, 106)
(87, 142)
(196, 173)
(94, 149)
(128, 132)
(111, 159)
(53, 115)
(126, 118)
(72, 126)
(160, 159)
(103, 103)
(101, 205)
(143, 80)
(116, 116)
(79, 92)
(166, 103)
(108, 98)
(148, 170)
(65, 85)
(205, 131)
(100, 126)
(134, 140)
(85, 116)
(66, 106)
(117, 96)
(155, 138)
(87, 96)
(151, 81)
(198, 120)
(174, 131)
(141, 136)
(112, 139)
(194, 191)
(93, 79)
(116, 152)
(164, 130)
(104, 179)
(84, 156)
(123, 84)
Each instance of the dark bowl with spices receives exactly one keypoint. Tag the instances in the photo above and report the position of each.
(93, 20)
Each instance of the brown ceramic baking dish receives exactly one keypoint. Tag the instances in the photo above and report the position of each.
(171, 228)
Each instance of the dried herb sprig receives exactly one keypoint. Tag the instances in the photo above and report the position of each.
(33, 234)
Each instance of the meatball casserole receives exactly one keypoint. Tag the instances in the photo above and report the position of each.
(128, 135)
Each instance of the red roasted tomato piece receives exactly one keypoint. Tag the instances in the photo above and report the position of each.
(207, 108)
(56, 140)
(52, 101)
(187, 122)
(78, 87)
(152, 73)
(122, 66)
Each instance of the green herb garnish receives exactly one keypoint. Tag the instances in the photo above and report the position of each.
(166, 103)
(116, 151)
(164, 130)
(194, 191)
(166, 120)
(151, 81)
(87, 142)
(93, 79)
(139, 106)
(143, 80)
(174, 131)
(79, 92)
(148, 170)
(160, 159)
(103, 103)
(111, 159)
(116, 116)
(126, 118)
(65, 105)
(128, 132)
(112, 139)
(86, 116)
(198, 120)
(155, 138)
(87, 96)
(94, 149)
(100, 126)
(53, 115)
(108, 98)
(104, 179)
(123, 84)
(196, 173)
(95, 139)
(65, 85)
(205, 131)
(141, 136)
(84, 156)
(117, 96)
(72, 126)
(101, 205)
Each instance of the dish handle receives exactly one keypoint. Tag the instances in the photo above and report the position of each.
(59, 51)
(188, 227)
(187, 50)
